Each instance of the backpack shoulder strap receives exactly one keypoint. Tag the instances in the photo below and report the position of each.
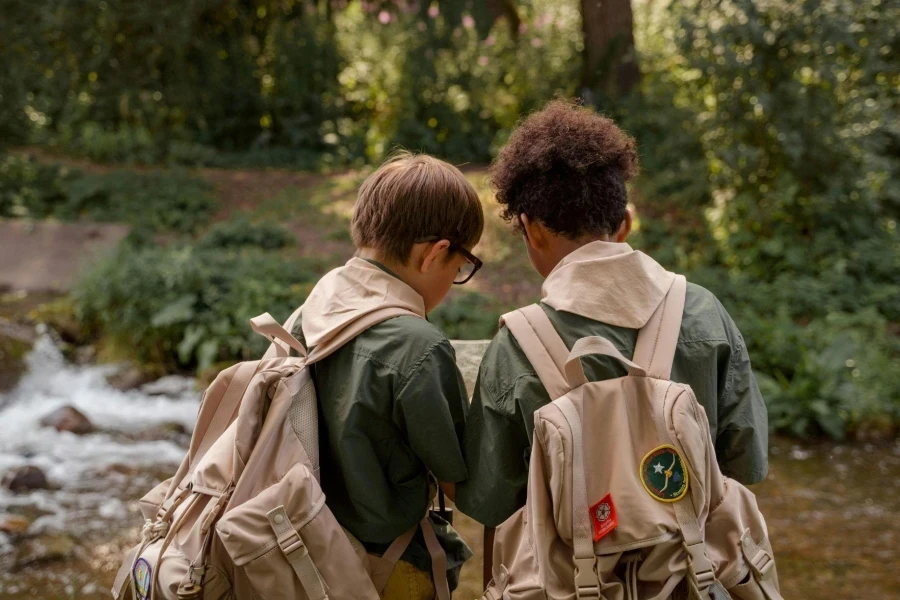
(656, 342)
(543, 347)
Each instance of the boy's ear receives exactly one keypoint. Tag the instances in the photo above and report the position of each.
(535, 232)
(624, 228)
(432, 252)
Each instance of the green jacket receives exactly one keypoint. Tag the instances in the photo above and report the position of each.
(392, 407)
(710, 356)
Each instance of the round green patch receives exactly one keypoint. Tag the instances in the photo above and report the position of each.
(664, 474)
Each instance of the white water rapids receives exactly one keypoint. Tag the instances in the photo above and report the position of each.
(92, 477)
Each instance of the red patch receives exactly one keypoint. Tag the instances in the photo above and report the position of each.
(603, 517)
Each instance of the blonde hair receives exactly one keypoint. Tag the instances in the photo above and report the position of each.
(411, 197)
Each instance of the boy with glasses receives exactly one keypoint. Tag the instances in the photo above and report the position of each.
(392, 403)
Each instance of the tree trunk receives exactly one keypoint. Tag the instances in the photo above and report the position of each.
(609, 59)
(505, 8)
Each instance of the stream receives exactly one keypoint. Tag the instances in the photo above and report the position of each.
(832, 509)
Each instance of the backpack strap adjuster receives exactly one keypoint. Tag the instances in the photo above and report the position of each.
(760, 561)
(586, 582)
(297, 554)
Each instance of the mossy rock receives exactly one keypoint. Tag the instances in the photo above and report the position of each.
(60, 316)
(12, 360)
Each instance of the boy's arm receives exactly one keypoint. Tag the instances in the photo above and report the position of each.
(742, 440)
(431, 407)
(496, 452)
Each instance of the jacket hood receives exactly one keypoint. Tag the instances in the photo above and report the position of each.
(349, 297)
(608, 282)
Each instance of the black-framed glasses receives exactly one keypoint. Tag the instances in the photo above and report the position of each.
(468, 269)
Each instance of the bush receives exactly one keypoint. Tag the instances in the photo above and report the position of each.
(157, 200)
(241, 232)
(770, 179)
(188, 307)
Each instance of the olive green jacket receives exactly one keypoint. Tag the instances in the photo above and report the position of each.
(710, 356)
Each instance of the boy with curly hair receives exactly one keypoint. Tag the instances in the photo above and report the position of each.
(561, 181)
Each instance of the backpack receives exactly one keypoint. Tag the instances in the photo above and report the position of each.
(244, 516)
(625, 498)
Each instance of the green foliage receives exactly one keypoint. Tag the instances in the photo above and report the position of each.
(771, 181)
(467, 316)
(153, 201)
(844, 376)
(278, 81)
(188, 306)
(31, 189)
(241, 232)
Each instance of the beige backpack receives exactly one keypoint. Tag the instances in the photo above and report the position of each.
(244, 516)
(625, 498)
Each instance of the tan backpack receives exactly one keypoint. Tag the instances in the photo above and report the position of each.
(244, 516)
(625, 498)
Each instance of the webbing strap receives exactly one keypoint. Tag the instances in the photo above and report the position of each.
(549, 371)
(700, 568)
(438, 560)
(594, 345)
(399, 546)
(587, 584)
(276, 348)
(269, 328)
(547, 333)
(762, 564)
(297, 554)
(657, 340)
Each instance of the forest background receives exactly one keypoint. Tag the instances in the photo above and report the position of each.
(231, 134)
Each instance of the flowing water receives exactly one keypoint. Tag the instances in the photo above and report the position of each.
(94, 478)
(832, 509)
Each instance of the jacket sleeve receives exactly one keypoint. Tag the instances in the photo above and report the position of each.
(496, 449)
(432, 405)
(742, 437)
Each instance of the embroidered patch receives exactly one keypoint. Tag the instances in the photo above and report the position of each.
(603, 517)
(142, 575)
(664, 474)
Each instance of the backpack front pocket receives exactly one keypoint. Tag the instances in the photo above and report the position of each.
(288, 544)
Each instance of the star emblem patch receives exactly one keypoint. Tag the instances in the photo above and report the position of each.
(664, 474)
(603, 517)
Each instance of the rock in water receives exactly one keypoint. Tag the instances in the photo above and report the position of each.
(68, 418)
(25, 479)
(172, 386)
(45, 548)
(14, 524)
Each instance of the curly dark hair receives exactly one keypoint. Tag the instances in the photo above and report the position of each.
(566, 166)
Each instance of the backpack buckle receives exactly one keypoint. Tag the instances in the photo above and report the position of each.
(586, 582)
(700, 568)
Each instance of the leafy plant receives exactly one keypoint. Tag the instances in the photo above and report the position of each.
(156, 200)
(242, 232)
(188, 307)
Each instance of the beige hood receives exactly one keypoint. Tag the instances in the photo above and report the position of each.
(608, 282)
(351, 298)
